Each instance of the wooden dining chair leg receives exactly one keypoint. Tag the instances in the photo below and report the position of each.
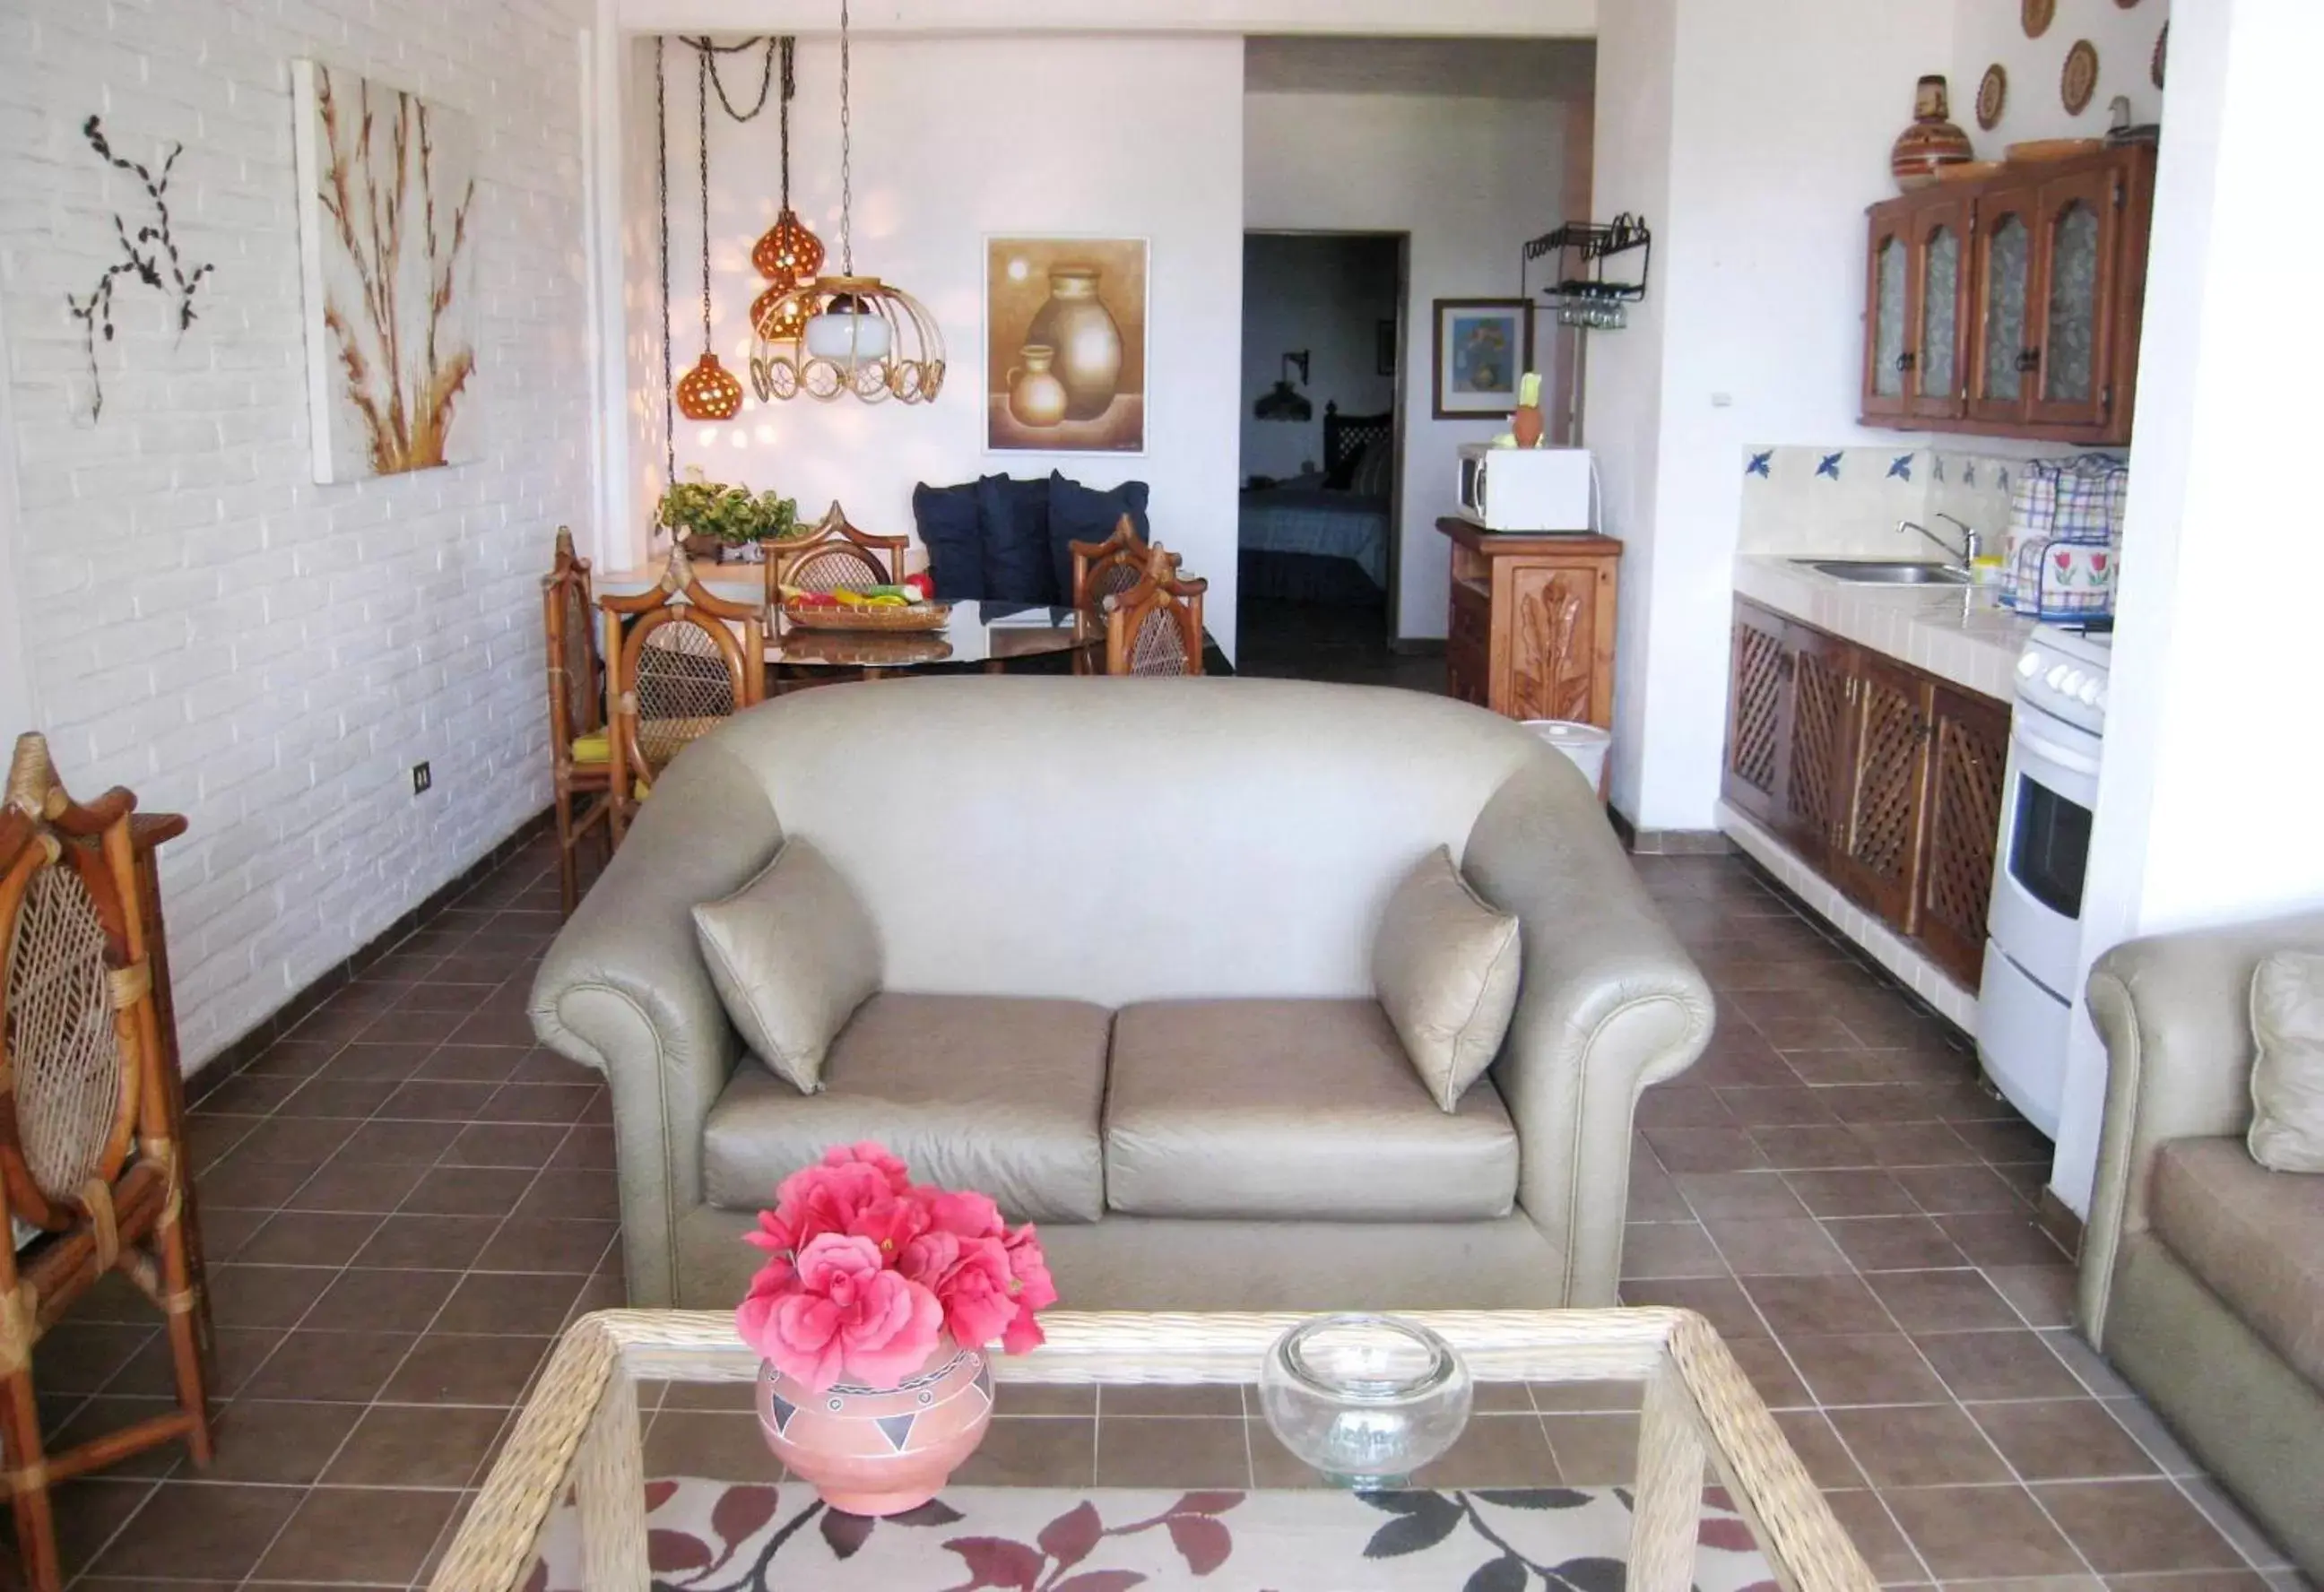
(27, 1474)
(180, 1299)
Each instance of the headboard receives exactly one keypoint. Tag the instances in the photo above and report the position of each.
(1345, 438)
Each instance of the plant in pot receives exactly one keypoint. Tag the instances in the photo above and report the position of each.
(714, 520)
(873, 1315)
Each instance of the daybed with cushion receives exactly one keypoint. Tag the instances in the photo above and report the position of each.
(2203, 1269)
(1125, 935)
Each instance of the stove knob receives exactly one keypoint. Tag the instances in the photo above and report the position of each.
(2057, 677)
(2098, 698)
(2029, 666)
(2089, 692)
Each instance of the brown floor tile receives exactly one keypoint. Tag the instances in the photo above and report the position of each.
(2201, 1580)
(301, 1140)
(2062, 1440)
(1813, 1148)
(1175, 1452)
(559, 1103)
(2001, 1239)
(1950, 1190)
(560, 1194)
(377, 1061)
(1034, 1398)
(430, 1101)
(1919, 1446)
(1997, 1366)
(1033, 1451)
(2169, 1454)
(449, 1368)
(525, 1145)
(1593, 1451)
(366, 1300)
(589, 1146)
(263, 1295)
(1865, 1369)
(298, 1237)
(337, 1097)
(2089, 1367)
(723, 1447)
(435, 1242)
(399, 1142)
(1739, 1195)
(284, 1443)
(1704, 1149)
(1494, 1451)
(1883, 1103)
(1669, 1249)
(1771, 1374)
(1942, 1301)
(532, 1302)
(494, 1028)
(235, 1355)
(2125, 1527)
(1817, 1306)
(350, 1185)
(336, 1368)
(249, 1184)
(2042, 1295)
(1769, 1246)
(1586, 1398)
(386, 1530)
(536, 1245)
(1779, 1107)
(92, 1355)
(1828, 1463)
(106, 1415)
(1681, 1105)
(1850, 1193)
(468, 1191)
(1899, 1145)
(1974, 1534)
(1893, 1242)
(199, 1529)
(1157, 1399)
(1720, 1300)
(470, 1063)
(1866, 1520)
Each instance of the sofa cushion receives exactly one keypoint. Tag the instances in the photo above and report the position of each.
(1079, 513)
(973, 1091)
(952, 528)
(1014, 516)
(2287, 1080)
(792, 953)
(2255, 1236)
(1292, 1110)
(1445, 966)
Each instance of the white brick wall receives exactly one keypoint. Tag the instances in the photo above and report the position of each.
(201, 622)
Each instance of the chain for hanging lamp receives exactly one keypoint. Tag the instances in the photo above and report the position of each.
(787, 254)
(859, 335)
(708, 392)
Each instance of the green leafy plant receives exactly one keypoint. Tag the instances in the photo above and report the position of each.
(731, 514)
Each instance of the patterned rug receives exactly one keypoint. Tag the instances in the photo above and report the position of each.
(711, 1536)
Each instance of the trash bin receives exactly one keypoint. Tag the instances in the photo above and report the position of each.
(1584, 745)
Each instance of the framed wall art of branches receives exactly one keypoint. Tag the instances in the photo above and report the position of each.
(387, 244)
(150, 254)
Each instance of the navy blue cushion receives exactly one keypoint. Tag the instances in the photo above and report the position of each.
(1079, 513)
(1016, 521)
(953, 533)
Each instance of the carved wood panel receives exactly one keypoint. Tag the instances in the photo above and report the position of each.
(1551, 660)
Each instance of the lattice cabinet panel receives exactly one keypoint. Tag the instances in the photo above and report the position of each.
(1819, 750)
(1880, 833)
(1968, 755)
(1759, 713)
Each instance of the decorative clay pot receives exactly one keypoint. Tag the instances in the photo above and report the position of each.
(1931, 142)
(1526, 425)
(1035, 397)
(880, 1450)
(1078, 326)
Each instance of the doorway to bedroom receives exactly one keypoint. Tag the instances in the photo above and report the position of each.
(1322, 339)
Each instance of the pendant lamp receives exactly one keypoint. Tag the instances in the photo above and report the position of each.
(708, 392)
(860, 335)
(787, 254)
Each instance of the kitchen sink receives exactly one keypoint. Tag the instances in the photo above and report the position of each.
(1887, 572)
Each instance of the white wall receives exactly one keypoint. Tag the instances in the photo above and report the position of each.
(17, 711)
(1986, 31)
(205, 624)
(957, 139)
(1427, 18)
(2208, 800)
(1751, 138)
(1472, 180)
(1326, 295)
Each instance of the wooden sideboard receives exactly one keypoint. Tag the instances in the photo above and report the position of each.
(1531, 633)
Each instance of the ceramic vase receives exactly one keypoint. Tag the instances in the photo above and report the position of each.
(880, 1450)
(1931, 142)
(1087, 341)
(1035, 397)
(1526, 425)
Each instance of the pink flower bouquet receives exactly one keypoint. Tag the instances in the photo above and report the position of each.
(867, 1270)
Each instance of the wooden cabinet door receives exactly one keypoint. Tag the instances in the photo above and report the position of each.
(1559, 659)
(1967, 753)
(1815, 762)
(1939, 306)
(2002, 323)
(1888, 357)
(1469, 644)
(2078, 244)
(1758, 716)
(1877, 849)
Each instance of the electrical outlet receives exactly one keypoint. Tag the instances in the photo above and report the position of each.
(421, 779)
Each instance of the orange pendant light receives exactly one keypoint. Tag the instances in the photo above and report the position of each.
(709, 391)
(787, 254)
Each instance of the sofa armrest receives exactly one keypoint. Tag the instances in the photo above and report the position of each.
(2174, 1011)
(624, 990)
(1610, 1003)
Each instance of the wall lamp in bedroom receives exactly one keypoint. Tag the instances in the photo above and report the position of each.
(1284, 401)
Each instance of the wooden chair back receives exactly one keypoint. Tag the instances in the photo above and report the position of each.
(88, 1154)
(1108, 568)
(834, 554)
(681, 660)
(1155, 627)
(577, 708)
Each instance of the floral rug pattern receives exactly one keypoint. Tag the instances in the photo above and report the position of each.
(708, 1536)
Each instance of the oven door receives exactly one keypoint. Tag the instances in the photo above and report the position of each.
(2048, 796)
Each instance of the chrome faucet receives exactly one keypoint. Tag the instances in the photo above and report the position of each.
(1972, 544)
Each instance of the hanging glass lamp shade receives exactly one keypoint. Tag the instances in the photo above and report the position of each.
(863, 336)
(788, 252)
(709, 391)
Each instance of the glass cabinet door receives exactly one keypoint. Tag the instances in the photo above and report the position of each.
(2001, 344)
(1888, 357)
(1940, 262)
(2077, 239)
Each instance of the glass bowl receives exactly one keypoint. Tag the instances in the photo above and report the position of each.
(1365, 1400)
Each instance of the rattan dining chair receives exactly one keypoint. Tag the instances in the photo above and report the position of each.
(90, 1172)
(1107, 569)
(680, 661)
(834, 554)
(580, 750)
(1155, 627)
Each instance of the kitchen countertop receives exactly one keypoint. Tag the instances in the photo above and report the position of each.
(1957, 633)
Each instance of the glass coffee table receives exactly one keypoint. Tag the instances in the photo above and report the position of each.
(572, 1476)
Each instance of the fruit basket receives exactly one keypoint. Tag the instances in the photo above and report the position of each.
(911, 616)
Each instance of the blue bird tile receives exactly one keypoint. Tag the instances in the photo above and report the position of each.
(1762, 465)
(1828, 467)
(1900, 469)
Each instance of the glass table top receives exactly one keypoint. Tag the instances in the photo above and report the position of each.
(974, 632)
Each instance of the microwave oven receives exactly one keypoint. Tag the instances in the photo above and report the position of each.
(1524, 489)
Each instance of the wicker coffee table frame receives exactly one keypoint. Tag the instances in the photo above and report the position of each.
(580, 1428)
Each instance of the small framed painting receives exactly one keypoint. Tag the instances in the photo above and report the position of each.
(1064, 344)
(1482, 347)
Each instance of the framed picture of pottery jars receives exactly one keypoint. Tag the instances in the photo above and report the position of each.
(1064, 344)
(1483, 346)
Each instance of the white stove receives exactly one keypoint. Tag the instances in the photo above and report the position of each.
(2033, 948)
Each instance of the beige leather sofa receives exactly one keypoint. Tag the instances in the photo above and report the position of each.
(2202, 1272)
(1125, 927)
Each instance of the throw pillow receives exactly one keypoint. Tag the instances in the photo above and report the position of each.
(1015, 516)
(1079, 513)
(1375, 470)
(793, 953)
(1445, 967)
(2287, 1080)
(952, 531)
